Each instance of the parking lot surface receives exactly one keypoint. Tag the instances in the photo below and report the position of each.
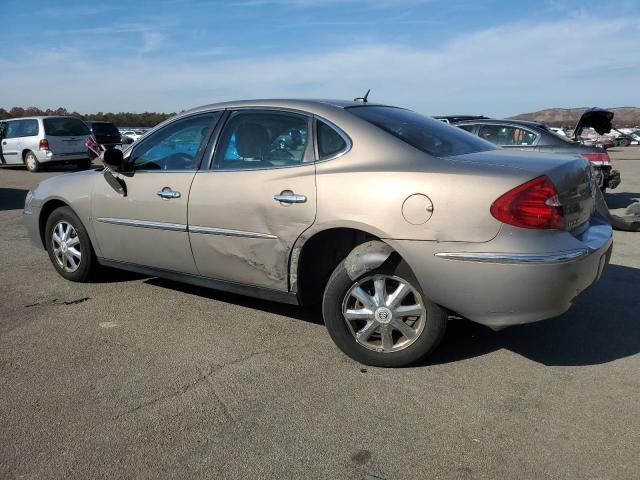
(136, 377)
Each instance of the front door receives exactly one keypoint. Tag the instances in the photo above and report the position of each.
(246, 212)
(148, 226)
(12, 142)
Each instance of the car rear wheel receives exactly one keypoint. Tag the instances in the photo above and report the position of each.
(69, 246)
(31, 162)
(623, 142)
(382, 318)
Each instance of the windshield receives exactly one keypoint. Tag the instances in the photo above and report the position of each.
(424, 133)
(64, 127)
(104, 129)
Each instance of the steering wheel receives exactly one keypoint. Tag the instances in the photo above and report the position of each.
(177, 161)
(278, 153)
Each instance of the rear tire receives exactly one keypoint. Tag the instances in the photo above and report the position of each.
(69, 246)
(31, 162)
(623, 142)
(382, 333)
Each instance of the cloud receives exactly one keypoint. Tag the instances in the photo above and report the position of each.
(499, 71)
(151, 41)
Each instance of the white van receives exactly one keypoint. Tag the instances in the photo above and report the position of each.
(32, 141)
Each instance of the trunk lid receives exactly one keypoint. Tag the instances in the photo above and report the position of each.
(596, 118)
(570, 174)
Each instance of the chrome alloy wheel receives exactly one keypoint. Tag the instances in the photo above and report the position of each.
(31, 162)
(384, 313)
(66, 246)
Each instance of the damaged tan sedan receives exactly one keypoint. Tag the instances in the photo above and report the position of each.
(388, 219)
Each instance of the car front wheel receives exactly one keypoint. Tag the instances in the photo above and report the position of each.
(382, 318)
(69, 246)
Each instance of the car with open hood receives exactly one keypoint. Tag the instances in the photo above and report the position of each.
(538, 137)
(391, 221)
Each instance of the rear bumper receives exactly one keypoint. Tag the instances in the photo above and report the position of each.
(45, 156)
(501, 289)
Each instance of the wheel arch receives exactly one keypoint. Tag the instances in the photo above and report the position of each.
(316, 256)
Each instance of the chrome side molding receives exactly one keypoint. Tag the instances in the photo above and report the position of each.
(560, 257)
(176, 227)
(229, 232)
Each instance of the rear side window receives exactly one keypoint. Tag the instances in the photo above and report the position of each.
(64, 127)
(468, 128)
(330, 142)
(21, 128)
(104, 129)
(431, 136)
(506, 136)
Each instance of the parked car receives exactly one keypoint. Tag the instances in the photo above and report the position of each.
(389, 219)
(106, 134)
(32, 141)
(132, 134)
(457, 118)
(537, 137)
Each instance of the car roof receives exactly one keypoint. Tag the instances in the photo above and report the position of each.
(41, 117)
(507, 121)
(297, 104)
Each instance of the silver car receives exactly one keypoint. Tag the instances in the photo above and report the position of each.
(388, 219)
(32, 141)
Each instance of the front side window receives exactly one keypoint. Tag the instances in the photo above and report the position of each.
(65, 127)
(330, 142)
(175, 146)
(424, 133)
(262, 139)
(506, 136)
(468, 128)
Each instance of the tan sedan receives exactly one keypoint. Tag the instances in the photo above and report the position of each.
(388, 219)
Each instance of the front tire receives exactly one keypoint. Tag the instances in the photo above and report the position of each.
(382, 318)
(32, 163)
(69, 246)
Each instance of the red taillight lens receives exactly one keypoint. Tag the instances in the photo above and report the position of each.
(533, 204)
(597, 157)
(44, 144)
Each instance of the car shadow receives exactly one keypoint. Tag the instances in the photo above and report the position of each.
(311, 315)
(12, 198)
(621, 199)
(602, 326)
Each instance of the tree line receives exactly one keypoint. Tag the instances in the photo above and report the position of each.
(121, 119)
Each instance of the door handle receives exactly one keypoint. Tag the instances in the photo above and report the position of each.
(167, 193)
(289, 197)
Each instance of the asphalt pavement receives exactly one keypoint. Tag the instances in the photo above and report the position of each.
(136, 377)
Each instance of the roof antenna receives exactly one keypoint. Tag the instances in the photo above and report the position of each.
(363, 99)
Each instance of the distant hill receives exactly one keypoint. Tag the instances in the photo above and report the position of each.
(568, 117)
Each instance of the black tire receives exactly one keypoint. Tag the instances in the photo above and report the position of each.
(84, 164)
(87, 264)
(623, 142)
(31, 162)
(340, 284)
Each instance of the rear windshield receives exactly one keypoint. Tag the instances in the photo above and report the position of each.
(104, 129)
(64, 127)
(424, 133)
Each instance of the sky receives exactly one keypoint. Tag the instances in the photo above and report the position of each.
(494, 57)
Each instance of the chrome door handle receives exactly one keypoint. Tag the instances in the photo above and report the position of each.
(289, 198)
(168, 194)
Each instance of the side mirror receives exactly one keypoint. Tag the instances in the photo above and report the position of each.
(114, 159)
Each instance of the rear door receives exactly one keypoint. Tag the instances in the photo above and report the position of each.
(66, 135)
(246, 212)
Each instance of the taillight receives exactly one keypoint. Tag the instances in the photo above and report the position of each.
(44, 144)
(533, 204)
(597, 158)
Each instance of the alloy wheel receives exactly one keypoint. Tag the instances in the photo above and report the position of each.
(384, 313)
(66, 246)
